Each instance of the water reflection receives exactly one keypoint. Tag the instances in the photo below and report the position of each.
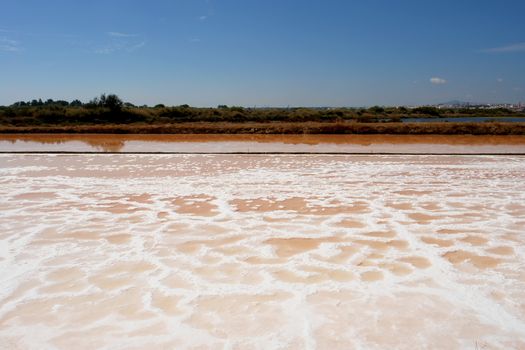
(105, 144)
(260, 143)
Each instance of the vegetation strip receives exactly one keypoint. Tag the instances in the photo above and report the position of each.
(109, 114)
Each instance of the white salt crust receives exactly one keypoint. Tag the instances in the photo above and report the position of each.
(262, 252)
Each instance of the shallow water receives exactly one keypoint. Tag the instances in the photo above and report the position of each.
(465, 120)
(262, 252)
(262, 143)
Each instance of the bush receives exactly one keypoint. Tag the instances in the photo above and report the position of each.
(432, 111)
(376, 109)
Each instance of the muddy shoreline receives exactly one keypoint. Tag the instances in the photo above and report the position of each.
(434, 128)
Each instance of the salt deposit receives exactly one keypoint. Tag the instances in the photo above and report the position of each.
(262, 252)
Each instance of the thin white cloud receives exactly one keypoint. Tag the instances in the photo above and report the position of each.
(518, 47)
(136, 46)
(499, 80)
(120, 42)
(203, 18)
(437, 81)
(121, 35)
(8, 45)
(106, 50)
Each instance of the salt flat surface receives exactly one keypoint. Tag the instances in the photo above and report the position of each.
(262, 252)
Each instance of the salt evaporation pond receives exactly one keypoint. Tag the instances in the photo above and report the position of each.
(262, 252)
(239, 143)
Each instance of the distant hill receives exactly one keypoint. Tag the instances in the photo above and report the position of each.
(458, 103)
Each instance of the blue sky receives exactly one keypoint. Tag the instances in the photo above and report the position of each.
(264, 52)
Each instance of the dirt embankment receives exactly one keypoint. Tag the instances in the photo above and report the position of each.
(493, 128)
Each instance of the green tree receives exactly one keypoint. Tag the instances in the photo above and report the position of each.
(111, 101)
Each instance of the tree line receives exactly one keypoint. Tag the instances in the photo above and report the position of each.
(111, 101)
(111, 109)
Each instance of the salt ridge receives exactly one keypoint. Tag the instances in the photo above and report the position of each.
(114, 251)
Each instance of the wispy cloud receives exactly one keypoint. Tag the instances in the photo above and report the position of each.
(8, 45)
(437, 81)
(120, 42)
(136, 46)
(518, 47)
(121, 35)
(499, 80)
(106, 50)
(203, 18)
